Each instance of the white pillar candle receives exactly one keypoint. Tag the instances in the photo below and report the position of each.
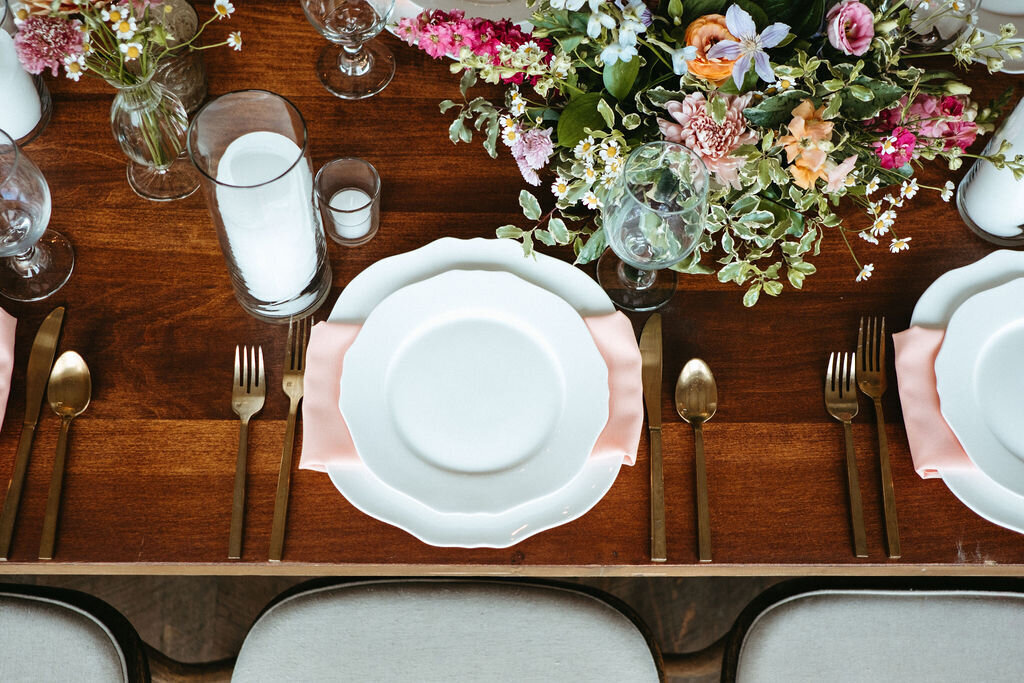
(991, 197)
(21, 109)
(270, 228)
(354, 216)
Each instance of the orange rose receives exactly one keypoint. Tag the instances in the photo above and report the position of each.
(703, 34)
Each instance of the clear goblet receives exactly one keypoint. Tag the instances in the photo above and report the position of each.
(654, 216)
(34, 262)
(352, 66)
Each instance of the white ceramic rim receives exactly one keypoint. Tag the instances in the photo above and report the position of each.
(551, 465)
(989, 23)
(371, 496)
(974, 488)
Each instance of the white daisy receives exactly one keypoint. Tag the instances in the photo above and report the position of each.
(879, 227)
(872, 186)
(560, 187)
(865, 272)
(506, 121)
(889, 145)
(530, 49)
(589, 174)
(74, 66)
(894, 201)
(223, 9)
(909, 189)
(235, 40)
(584, 148)
(899, 244)
(609, 150)
(19, 12)
(125, 28)
(131, 51)
(868, 237)
(947, 191)
(614, 167)
(510, 135)
(518, 104)
(591, 201)
(608, 181)
(114, 14)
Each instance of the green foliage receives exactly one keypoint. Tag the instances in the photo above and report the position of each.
(774, 111)
(619, 77)
(581, 113)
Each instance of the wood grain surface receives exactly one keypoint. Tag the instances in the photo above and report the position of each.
(150, 307)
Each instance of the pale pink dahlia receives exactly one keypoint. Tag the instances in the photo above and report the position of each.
(713, 142)
(44, 42)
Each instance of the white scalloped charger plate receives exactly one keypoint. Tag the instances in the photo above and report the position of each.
(474, 391)
(934, 309)
(980, 380)
(369, 494)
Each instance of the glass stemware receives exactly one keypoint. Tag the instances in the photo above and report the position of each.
(352, 66)
(653, 218)
(36, 261)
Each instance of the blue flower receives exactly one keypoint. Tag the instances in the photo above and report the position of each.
(615, 52)
(597, 20)
(680, 58)
(748, 45)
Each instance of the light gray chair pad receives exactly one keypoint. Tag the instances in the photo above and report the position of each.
(876, 636)
(448, 631)
(48, 640)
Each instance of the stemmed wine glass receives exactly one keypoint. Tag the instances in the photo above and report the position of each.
(350, 66)
(653, 218)
(35, 262)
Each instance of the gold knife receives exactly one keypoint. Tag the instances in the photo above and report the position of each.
(40, 360)
(650, 353)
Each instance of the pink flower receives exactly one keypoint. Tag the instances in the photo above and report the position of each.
(532, 150)
(897, 149)
(851, 26)
(713, 142)
(960, 134)
(44, 42)
(837, 172)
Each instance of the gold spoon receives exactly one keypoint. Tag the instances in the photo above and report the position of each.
(696, 402)
(68, 392)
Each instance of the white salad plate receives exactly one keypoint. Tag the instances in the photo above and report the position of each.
(474, 391)
(365, 490)
(994, 13)
(934, 309)
(980, 380)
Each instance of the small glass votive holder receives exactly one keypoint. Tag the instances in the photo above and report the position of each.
(348, 194)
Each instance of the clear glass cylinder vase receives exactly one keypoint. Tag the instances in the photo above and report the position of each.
(149, 123)
(252, 153)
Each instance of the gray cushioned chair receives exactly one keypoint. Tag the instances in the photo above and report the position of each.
(446, 630)
(874, 631)
(51, 634)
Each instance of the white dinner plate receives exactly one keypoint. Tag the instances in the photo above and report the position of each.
(369, 494)
(994, 13)
(934, 309)
(980, 380)
(474, 391)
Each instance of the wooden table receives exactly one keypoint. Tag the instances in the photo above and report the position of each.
(150, 470)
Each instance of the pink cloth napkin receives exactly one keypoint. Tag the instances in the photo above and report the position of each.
(7, 324)
(327, 441)
(933, 446)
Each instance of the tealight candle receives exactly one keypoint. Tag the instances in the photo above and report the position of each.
(21, 110)
(352, 216)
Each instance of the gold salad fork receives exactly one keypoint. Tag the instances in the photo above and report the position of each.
(871, 380)
(248, 392)
(841, 401)
(294, 368)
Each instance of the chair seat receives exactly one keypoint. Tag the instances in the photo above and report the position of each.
(445, 631)
(48, 640)
(873, 636)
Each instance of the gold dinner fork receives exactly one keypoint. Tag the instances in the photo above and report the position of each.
(248, 393)
(871, 380)
(841, 401)
(294, 367)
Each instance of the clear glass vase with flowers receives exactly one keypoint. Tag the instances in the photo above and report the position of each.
(122, 43)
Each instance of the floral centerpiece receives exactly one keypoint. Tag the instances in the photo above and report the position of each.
(792, 105)
(121, 42)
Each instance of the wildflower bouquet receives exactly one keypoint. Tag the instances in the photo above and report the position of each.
(791, 104)
(120, 41)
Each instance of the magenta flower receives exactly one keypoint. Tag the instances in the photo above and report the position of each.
(693, 126)
(897, 149)
(44, 42)
(851, 26)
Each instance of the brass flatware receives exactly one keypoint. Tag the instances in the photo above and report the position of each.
(871, 380)
(69, 392)
(651, 355)
(294, 369)
(39, 361)
(841, 401)
(696, 402)
(248, 393)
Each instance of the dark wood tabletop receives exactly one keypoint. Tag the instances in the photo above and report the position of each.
(150, 469)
